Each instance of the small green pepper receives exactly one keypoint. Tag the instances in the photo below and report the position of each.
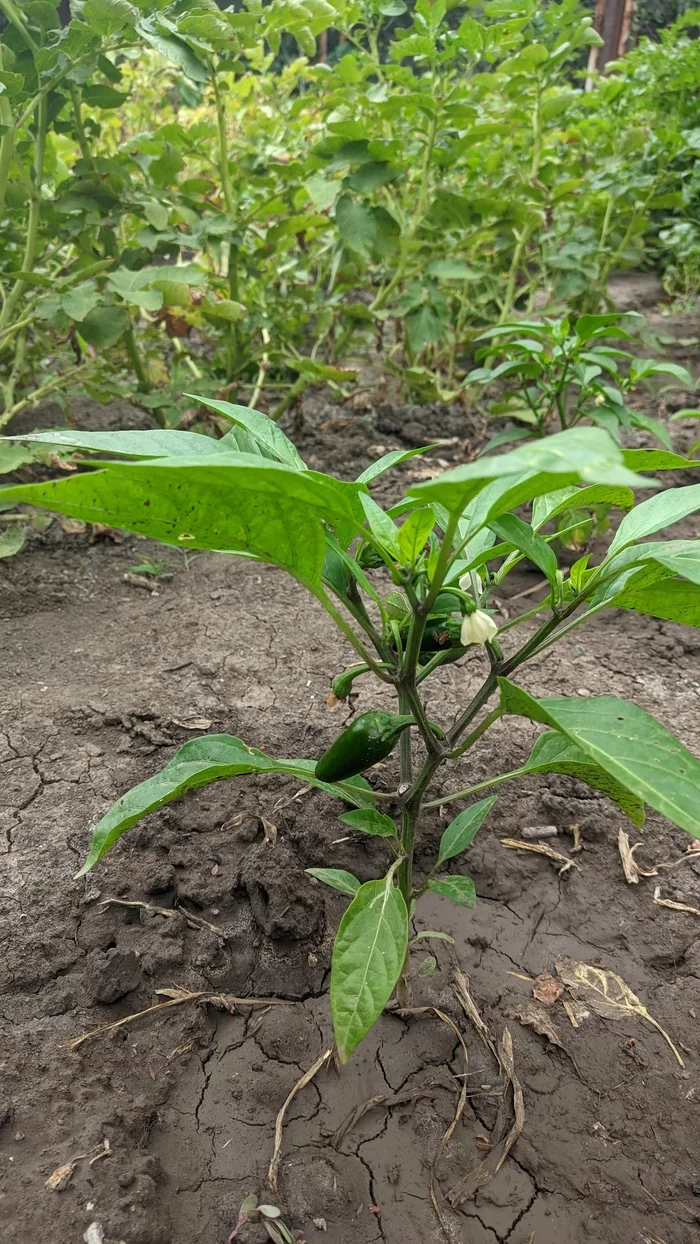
(367, 740)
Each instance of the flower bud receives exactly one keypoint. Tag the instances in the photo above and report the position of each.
(477, 628)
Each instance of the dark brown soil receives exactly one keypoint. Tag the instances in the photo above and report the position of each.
(101, 680)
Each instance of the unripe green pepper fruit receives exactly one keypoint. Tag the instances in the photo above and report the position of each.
(367, 740)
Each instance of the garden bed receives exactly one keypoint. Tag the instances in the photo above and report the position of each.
(102, 678)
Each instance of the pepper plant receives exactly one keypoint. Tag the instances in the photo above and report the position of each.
(410, 589)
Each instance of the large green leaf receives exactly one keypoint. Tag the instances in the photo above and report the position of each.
(155, 443)
(654, 514)
(197, 763)
(260, 427)
(461, 832)
(588, 454)
(671, 599)
(681, 557)
(226, 502)
(369, 821)
(368, 955)
(629, 744)
(173, 48)
(356, 224)
(554, 753)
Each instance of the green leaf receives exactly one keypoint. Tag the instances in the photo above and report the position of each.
(453, 270)
(656, 460)
(371, 175)
(369, 821)
(629, 744)
(356, 224)
(337, 878)
(197, 763)
(96, 95)
(12, 456)
(414, 534)
(641, 368)
(132, 287)
(11, 539)
(670, 599)
(459, 889)
(80, 301)
(368, 955)
(462, 831)
(381, 526)
(258, 425)
(174, 49)
(553, 753)
(548, 506)
(511, 528)
(393, 458)
(588, 454)
(471, 35)
(654, 514)
(153, 443)
(639, 419)
(228, 502)
(104, 326)
(108, 17)
(223, 309)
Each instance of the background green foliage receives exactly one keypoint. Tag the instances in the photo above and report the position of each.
(188, 200)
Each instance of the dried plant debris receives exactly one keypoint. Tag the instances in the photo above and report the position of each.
(547, 989)
(673, 905)
(540, 848)
(607, 995)
(533, 1015)
(629, 864)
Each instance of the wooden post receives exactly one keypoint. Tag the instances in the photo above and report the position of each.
(612, 22)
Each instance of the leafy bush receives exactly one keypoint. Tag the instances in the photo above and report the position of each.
(445, 562)
(182, 205)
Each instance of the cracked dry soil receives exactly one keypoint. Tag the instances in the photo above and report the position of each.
(97, 678)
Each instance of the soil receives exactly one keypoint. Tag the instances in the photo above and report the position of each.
(102, 679)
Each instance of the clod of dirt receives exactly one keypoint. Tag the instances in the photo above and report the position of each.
(110, 974)
(283, 901)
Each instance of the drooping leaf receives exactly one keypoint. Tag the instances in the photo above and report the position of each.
(225, 502)
(625, 741)
(337, 878)
(259, 426)
(199, 762)
(369, 821)
(656, 460)
(368, 955)
(173, 48)
(463, 829)
(459, 889)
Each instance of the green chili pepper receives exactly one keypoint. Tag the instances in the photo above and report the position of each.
(367, 740)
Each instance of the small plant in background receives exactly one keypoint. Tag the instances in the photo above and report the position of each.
(558, 373)
(441, 568)
(269, 1216)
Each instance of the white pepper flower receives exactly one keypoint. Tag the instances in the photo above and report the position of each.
(477, 628)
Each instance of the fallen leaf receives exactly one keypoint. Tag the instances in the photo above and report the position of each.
(320, 1223)
(629, 866)
(533, 1015)
(72, 526)
(61, 1177)
(191, 723)
(607, 994)
(576, 1012)
(669, 902)
(546, 989)
(136, 580)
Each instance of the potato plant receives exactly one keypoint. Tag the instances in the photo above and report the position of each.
(411, 588)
